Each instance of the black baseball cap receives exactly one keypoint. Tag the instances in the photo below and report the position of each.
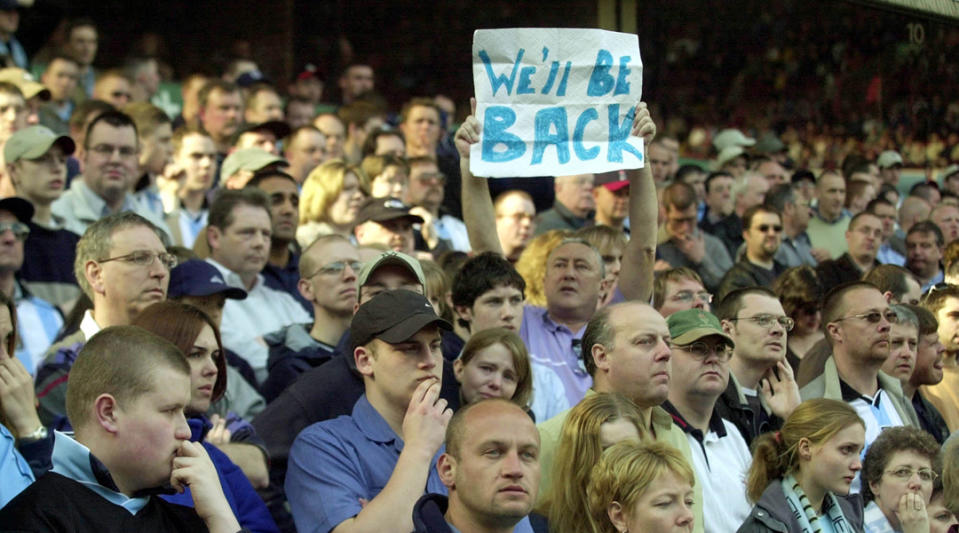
(393, 317)
(383, 209)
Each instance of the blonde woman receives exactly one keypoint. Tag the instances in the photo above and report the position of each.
(330, 200)
(641, 488)
(594, 424)
(801, 475)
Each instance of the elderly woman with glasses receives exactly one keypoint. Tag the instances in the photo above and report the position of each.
(897, 480)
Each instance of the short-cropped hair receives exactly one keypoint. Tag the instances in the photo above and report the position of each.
(120, 361)
(226, 200)
(662, 277)
(481, 274)
(97, 241)
(732, 303)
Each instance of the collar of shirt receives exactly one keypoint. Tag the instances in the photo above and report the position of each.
(96, 204)
(715, 423)
(372, 425)
(74, 460)
(88, 325)
(232, 278)
(849, 394)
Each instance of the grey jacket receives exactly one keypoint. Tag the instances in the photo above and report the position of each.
(826, 385)
(771, 514)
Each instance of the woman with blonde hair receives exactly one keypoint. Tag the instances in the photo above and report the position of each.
(640, 488)
(389, 175)
(330, 200)
(801, 475)
(594, 424)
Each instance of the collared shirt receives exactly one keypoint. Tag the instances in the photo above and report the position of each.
(14, 50)
(938, 278)
(829, 235)
(795, 252)
(15, 473)
(74, 460)
(887, 255)
(550, 345)
(877, 412)
(334, 463)
(190, 225)
(246, 321)
(79, 207)
(88, 325)
(720, 460)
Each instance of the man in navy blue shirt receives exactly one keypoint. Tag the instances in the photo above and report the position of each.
(364, 471)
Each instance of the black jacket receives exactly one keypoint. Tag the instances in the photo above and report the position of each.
(732, 406)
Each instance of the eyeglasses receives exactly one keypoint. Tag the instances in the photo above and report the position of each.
(702, 350)
(765, 227)
(336, 268)
(905, 473)
(145, 258)
(873, 317)
(19, 229)
(688, 296)
(108, 150)
(765, 321)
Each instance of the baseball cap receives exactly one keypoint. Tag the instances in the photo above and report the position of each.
(251, 159)
(250, 78)
(728, 154)
(392, 258)
(25, 82)
(769, 143)
(278, 128)
(690, 325)
(383, 209)
(199, 278)
(613, 181)
(889, 158)
(393, 316)
(33, 142)
(731, 137)
(22, 209)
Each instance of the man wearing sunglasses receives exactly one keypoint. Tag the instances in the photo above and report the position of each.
(762, 234)
(762, 391)
(441, 230)
(857, 320)
(720, 456)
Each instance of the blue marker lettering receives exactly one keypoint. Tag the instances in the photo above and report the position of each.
(497, 81)
(600, 81)
(496, 121)
(582, 152)
(622, 81)
(562, 84)
(546, 120)
(552, 77)
(618, 133)
(524, 75)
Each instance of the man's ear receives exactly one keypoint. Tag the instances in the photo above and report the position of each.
(304, 286)
(617, 515)
(464, 313)
(728, 327)
(363, 356)
(106, 412)
(888, 296)
(832, 331)
(446, 468)
(213, 235)
(600, 356)
(93, 271)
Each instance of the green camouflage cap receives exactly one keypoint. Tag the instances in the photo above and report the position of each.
(252, 159)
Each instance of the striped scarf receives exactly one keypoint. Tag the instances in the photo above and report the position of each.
(832, 520)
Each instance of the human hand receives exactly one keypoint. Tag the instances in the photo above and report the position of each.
(779, 390)
(219, 434)
(468, 132)
(193, 468)
(693, 246)
(661, 264)
(18, 402)
(643, 125)
(424, 426)
(912, 513)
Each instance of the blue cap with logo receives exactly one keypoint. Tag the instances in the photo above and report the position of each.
(199, 278)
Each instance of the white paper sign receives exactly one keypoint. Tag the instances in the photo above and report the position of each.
(554, 102)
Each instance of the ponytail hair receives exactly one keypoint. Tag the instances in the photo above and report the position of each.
(775, 454)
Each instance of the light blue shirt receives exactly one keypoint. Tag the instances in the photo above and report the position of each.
(15, 473)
